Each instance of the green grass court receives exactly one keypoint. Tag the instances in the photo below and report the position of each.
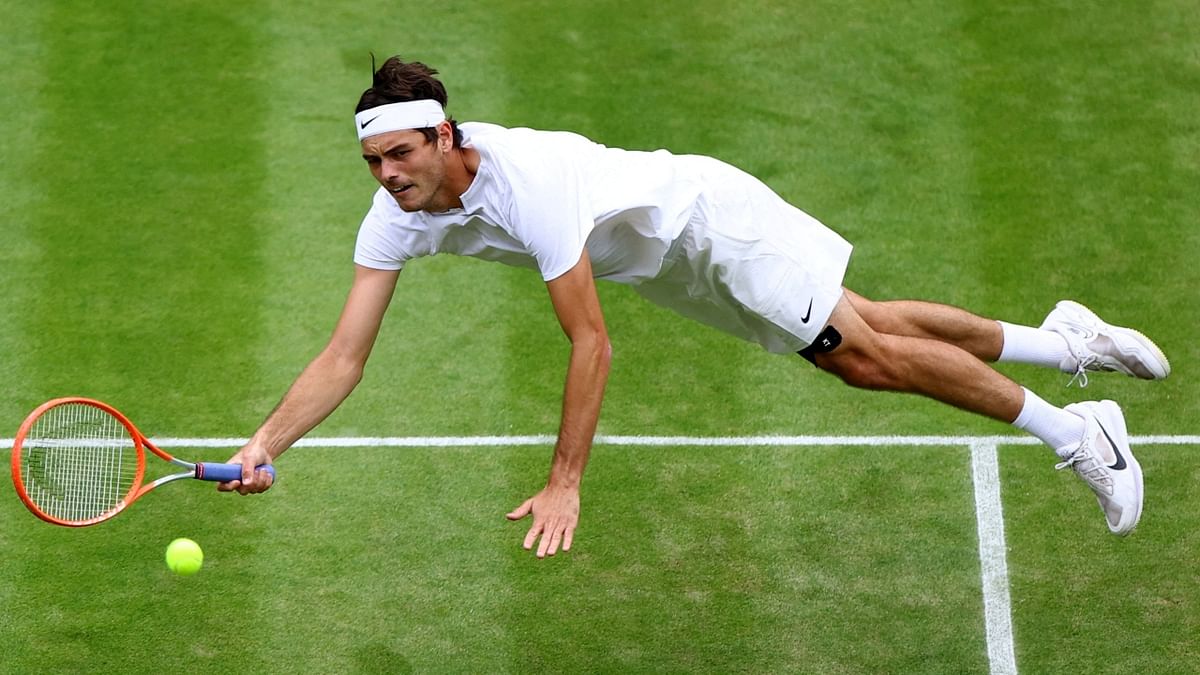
(180, 190)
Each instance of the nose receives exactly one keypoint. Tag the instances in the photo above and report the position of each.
(390, 172)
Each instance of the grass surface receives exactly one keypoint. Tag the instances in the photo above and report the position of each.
(179, 195)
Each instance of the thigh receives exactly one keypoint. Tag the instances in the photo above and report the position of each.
(980, 336)
(848, 340)
(882, 317)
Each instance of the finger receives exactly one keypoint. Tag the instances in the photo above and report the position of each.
(248, 472)
(532, 535)
(265, 480)
(568, 536)
(229, 486)
(521, 511)
(555, 539)
(549, 541)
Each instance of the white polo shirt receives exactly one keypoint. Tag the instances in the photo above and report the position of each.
(536, 199)
(737, 256)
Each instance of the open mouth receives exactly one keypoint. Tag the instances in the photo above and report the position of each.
(401, 189)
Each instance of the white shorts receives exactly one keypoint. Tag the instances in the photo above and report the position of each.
(752, 265)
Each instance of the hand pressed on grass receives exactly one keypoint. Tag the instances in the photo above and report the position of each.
(555, 515)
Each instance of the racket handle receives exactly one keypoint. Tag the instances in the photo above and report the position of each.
(223, 473)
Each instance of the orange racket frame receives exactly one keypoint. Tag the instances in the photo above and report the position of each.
(208, 471)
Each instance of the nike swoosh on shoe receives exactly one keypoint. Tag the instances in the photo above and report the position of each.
(1119, 465)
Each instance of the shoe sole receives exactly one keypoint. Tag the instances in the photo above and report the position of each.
(1159, 367)
(1114, 421)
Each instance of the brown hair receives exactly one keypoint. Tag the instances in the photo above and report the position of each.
(397, 81)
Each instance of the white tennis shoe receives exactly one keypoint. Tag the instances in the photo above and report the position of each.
(1105, 463)
(1097, 346)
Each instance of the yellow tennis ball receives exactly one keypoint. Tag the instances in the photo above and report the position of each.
(184, 557)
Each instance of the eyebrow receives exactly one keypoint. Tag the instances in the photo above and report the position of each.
(403, 145)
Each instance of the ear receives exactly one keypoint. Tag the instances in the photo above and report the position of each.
(445, 136)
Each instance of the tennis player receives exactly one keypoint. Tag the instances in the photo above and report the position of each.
(700, 237)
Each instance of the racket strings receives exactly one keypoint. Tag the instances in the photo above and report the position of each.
(78, 462)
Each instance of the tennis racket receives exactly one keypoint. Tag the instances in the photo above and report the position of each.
(77, 462)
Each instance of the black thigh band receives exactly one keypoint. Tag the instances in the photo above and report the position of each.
(827, 341)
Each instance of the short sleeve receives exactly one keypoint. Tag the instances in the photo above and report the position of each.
(550, 214)
(378, 246)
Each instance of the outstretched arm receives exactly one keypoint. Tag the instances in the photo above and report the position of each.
(324, 383)
(555, 508)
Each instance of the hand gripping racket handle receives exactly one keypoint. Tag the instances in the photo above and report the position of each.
(223, 473)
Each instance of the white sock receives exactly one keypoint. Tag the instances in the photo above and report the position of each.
(1059, 429)
(1024, 344)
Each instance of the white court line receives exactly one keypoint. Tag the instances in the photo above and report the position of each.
(993, 559)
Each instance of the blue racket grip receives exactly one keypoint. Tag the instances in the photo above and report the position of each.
(223, 473)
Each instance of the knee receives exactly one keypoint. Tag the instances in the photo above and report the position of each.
(864, 369)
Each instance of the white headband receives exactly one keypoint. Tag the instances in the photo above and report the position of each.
(419, 114)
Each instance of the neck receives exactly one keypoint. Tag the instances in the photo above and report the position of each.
(461, 165)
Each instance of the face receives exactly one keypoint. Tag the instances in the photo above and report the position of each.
(412, 168)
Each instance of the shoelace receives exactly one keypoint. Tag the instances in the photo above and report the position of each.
(1089, 469)
(1084, 358)
(1070, 462)
(1080, 376)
